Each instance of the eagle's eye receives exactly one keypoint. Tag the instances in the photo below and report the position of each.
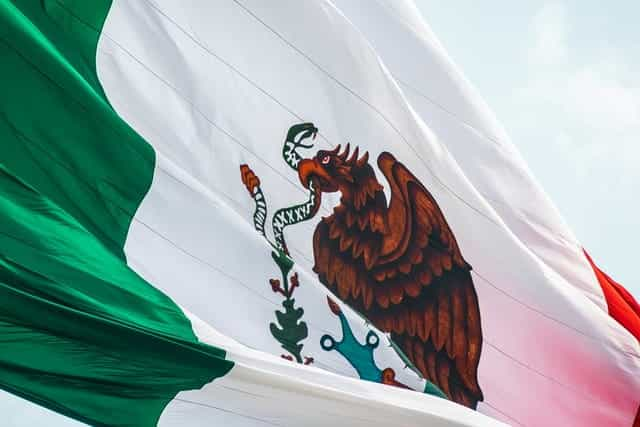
(325, 159)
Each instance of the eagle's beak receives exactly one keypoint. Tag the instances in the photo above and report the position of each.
(309, 168)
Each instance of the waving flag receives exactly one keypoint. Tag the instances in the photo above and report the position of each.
(247, 213)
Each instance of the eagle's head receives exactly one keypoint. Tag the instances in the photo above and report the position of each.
(331, 171)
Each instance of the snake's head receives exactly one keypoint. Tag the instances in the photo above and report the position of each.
(300, 132)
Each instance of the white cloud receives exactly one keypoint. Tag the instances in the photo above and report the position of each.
(592, 95)
(549, 35)
(599, 98)
(592, 104)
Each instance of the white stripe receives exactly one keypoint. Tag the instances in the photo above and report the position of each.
(265, 390)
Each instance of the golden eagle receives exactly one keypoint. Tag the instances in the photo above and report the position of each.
(399, 265)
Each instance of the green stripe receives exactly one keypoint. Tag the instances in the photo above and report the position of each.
(80, 332)
(63, 128)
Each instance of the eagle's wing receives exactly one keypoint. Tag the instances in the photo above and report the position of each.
(423, 291)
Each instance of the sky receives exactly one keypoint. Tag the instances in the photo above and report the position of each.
(563, 77)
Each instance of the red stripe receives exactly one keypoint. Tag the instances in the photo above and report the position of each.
(621, 304)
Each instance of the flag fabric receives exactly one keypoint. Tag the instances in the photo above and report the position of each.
(182, 241)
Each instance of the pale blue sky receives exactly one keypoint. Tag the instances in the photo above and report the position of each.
(563, 77)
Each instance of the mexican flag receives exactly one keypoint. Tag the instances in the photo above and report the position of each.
(184, 242)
